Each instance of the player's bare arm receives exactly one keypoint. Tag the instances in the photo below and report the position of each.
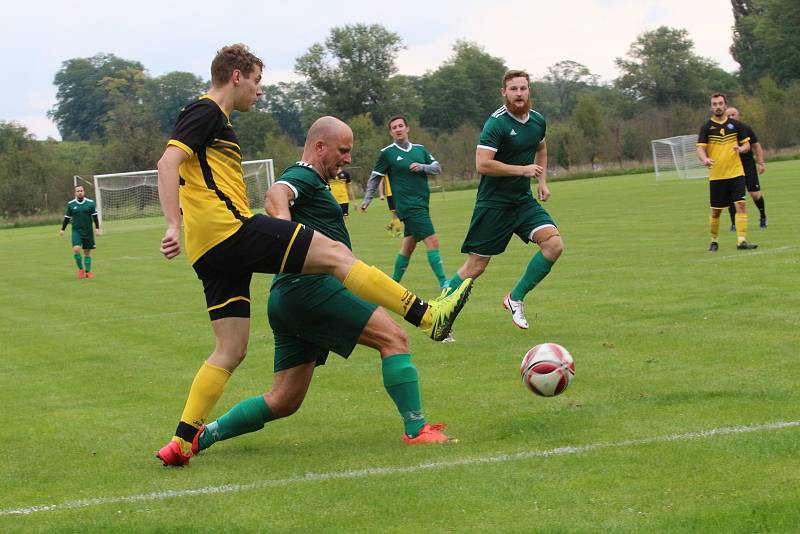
(759, 152)
(168, 183)
(703, 157)
(486, 164)
(743, 148)
(279, 198)
(543, 192)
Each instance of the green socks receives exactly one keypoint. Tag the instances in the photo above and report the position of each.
(400, 266)
(78, 261)
(247, 416)
(537, 269)
(437, 266)
(88, 262)
(401, 381)
(454, 283)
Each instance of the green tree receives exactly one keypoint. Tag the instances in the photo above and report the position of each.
(252, 129)
(565, 80)
(663, 69)
(292, 105)
(133, 139)
(25, 170)
(588, 120)
(765, 33)
(464, 90)
(81, 99)
(351, 70)
(167, 94)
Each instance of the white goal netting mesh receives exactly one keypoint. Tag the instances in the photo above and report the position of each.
(676, 157)
(129, 195)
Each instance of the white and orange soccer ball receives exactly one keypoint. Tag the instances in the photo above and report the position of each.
(547, 369)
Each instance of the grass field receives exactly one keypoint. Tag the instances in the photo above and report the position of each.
(684, 415)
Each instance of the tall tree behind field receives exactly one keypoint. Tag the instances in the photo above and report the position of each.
(167, 94)
(81, 99)
(464, 90)
(766, 38)
(663, 69)
(352, 69)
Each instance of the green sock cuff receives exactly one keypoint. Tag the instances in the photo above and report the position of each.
(454, 282)
(400, 265)
(437, 265)
(88, 262)
(398, 369)
(78, 260)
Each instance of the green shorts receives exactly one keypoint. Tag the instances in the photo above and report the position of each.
(417, 224)
(491, 229)
(311, 315)
(85, 241)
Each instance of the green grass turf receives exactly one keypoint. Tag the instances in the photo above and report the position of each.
(668, 340)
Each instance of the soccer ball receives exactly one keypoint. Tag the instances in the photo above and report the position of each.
(547, 369)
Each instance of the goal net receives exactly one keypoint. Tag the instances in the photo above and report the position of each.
(676, 157)
(128, 195)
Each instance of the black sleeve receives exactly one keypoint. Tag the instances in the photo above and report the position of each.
(64, 223)
(702, 137)
(96, 220)
(751, 134)
(197, 124)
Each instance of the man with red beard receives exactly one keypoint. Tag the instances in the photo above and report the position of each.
(511, 150)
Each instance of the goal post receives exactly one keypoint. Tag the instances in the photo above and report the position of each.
(128, 195)
(676, 157)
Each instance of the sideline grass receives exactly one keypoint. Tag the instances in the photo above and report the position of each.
(668, 339)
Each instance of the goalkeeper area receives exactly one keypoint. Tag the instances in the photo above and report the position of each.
(676, 158)
(130, 195)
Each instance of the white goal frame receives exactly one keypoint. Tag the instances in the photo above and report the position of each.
(676, 157)
(128, 195)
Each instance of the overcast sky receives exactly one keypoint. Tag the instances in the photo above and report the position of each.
(170, 36)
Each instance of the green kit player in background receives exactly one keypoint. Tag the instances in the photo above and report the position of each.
(510, 151)
(409, 165)
(81, 211)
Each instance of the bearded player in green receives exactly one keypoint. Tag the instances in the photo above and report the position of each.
(510, 151)
(81, 211)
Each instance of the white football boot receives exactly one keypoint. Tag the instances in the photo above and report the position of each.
(517, 310)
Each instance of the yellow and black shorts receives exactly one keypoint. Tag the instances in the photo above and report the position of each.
(262, 245)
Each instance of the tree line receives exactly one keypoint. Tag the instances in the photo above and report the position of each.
(114, 117)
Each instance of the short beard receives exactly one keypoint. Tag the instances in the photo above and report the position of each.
(516, 109)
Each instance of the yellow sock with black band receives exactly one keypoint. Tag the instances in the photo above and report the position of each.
(714, 222)
(373, 285)
(207, 388)
(741, 227)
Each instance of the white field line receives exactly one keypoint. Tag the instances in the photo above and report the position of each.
(378, 471)
(733, 254)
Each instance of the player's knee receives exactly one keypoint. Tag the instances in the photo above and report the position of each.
(474, 270)
(394, 340)
(76, 250)
(553, 248)
(282, 405)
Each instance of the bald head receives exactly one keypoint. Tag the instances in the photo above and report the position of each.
(328, 145)
(326, 129)
(732, 113)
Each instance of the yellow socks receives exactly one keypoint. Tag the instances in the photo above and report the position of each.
(741, 227)
(373, 285)
(714, 222)
(207, 388)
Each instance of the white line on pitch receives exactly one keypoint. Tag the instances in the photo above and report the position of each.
(375, 471)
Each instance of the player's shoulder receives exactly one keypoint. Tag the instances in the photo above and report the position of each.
(201, 106)
(387, 147)
(537, 116)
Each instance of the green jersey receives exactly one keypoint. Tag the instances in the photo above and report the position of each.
(514, 142)
(315, 207)
(80, 214)
(409, 188)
